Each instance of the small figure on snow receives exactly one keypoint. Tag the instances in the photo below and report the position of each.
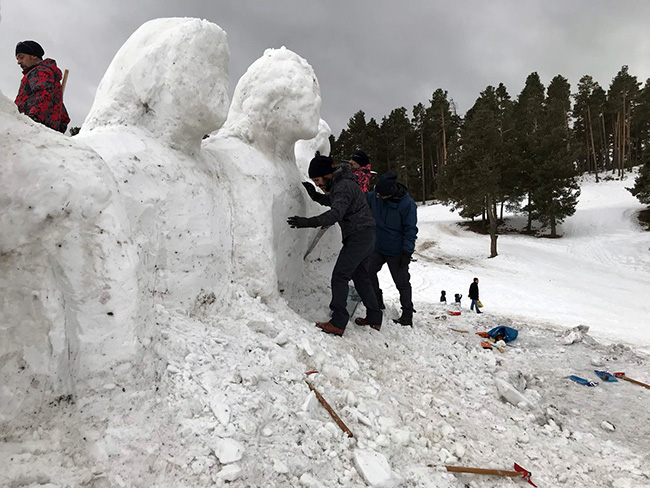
(40, 95)
(473, 295)
(457, 298)
(348, 207)
(443, 296)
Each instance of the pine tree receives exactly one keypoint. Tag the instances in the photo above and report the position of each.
(588, 112)
(642, 122)
(473, 181)
(641, 189)
(442, 124)
(621, 104)
(528, 113)
(555, 192)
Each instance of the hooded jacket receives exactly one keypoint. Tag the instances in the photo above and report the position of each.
(362, 177)
(347, 202)
(396, 220)
(40, 96)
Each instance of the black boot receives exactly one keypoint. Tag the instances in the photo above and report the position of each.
(405, 319)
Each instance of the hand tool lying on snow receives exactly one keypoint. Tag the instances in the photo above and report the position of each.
(336, 418)
(622, 376)
(519, 472)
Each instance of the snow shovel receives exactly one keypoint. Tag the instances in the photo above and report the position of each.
(519, 472)
(623, 377)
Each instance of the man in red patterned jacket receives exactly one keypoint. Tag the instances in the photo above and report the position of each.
(40, 96)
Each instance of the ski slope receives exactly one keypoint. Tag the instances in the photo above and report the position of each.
(596, 274)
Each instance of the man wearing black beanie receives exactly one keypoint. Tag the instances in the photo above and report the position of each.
(40, 96)
(348, 207)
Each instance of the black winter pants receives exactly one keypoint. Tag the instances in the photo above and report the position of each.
(400, 275)
(352, 264)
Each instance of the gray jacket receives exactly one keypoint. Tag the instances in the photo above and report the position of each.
(347, 204)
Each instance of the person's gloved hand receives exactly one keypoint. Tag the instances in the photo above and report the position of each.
(311, 189)
(404, 259)
(299, 222)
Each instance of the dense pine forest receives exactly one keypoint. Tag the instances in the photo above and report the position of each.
(522, 153)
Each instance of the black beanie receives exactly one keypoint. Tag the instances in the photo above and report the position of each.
(30, 47)
(320, 166)
(387, 185)
(360, 158)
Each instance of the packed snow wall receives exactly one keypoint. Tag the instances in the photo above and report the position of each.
(70, 305)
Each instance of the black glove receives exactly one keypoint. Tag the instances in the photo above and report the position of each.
(311, 189)
(299, 222)
(404, 259)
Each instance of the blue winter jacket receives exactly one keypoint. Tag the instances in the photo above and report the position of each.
(396, 220)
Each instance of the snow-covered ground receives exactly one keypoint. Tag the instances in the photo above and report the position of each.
(146, 343)
(597, 274)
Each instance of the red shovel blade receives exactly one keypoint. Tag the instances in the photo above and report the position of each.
(619, 375)
(525, 474)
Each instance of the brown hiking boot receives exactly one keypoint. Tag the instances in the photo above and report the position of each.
(330, 328)
(362, 321)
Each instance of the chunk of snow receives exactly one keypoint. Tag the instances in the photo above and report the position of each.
(228, 450)
(373, 467)
(230, 472)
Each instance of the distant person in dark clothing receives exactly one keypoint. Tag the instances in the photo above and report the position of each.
(443, 296)
(360, 164)
(396, 217)
(348, 207)
(40, 95)
(473, 295)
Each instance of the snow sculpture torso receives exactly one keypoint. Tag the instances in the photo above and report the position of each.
(276, 103)
(166, 88)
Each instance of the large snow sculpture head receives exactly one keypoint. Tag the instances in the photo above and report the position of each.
(170, 77)
(275, 103)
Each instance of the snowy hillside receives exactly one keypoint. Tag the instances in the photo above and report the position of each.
(156, 320)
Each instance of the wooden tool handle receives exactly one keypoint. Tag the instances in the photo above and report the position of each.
(493, 472)
(65, 80)
(336, 418)
(636, 382)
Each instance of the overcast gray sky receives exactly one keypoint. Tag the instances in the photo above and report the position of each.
(371, 55)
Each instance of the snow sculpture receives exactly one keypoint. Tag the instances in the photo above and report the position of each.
(166, 88)
(169, 77)
(69, 295)
(276, 103)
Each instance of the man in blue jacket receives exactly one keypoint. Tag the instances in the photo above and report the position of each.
(396, 228)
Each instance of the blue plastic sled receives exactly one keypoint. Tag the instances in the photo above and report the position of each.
(508, 334)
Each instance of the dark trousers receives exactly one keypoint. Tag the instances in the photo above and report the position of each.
(401, 278)
(352, 264)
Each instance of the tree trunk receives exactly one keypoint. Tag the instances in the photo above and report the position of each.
(593, 144)
(529, 225)
(424, 193)
(502, 204)
(605, 145)
(444, 137)
(553, 226)
(492, 215)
